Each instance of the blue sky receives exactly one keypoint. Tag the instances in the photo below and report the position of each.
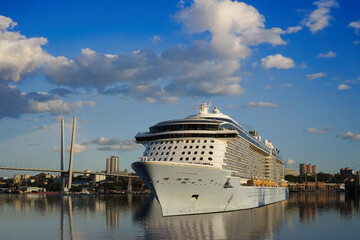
(289, 69)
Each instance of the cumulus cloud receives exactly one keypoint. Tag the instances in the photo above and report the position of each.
(329, 54)
(13, 103)
(293, 29)
(277, 61)
(19, 56)
(350, 136)
(78, 148)
(315, 75)
(233, 26)
(318, 131)
(355, 25)
(320, 18)
(110, 144)
(343, 86)
(262, 105)
(290, 162)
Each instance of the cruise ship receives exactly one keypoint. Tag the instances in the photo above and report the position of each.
(208, 163)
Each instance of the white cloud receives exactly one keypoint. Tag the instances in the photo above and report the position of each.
(262, 105)
(343, 87)
(277, 61)
(315, 75)
(290, 162)
(329, 54)
(318, 131)
(350, 136)
(285, 85)
(78, 148)
(293, 29)
(19, 56)
(234, 26)
(355, 24)
(320, 18)
(156, 39)
(110, 144)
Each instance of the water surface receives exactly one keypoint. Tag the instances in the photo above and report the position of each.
(324, 215)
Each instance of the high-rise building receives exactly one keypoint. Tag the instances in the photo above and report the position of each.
(346, 171)
(314, 169)
(302, 168)
(309, 169)
(112, 164)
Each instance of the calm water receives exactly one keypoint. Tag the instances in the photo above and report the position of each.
(302, 216)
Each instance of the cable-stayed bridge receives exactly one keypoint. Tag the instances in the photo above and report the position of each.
(15, 158)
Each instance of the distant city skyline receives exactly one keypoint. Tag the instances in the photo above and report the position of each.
(289, 70)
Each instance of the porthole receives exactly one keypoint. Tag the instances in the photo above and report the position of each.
(162, 153)
(181, 159)
(156, 154)
(165, 159)
(167, 153)
(153, 148)
(164, 148)
(211, 146)
(169, 147)
(197, 147)
(154, 159)
(173, 153)
(194, 158)
(211, 141)
(183, 153)
(171, 159)
(187, 159)
(177, 141)
(175, 147)
(161, 142)
(189, 152)
(185, 147)
(195, 152)
(202, 152)
(198, 141)
(159, 159)
(210, 159)
(187, 141)
(205, 141)
(192, 141)
(204, 146)
(210, 153)
(151, 154)
(159, 148)
(201, 158)
(191, 146)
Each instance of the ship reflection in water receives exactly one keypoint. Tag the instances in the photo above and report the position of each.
(303, 215)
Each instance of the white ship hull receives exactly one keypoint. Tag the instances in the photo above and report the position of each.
(192, 189)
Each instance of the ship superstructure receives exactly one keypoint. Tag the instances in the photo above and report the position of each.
(204, 153)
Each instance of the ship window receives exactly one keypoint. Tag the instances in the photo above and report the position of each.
(205, 141)
(162, 153)
(171, 159)
(154, 159)
(159, 148)
(156, 154)
(191, 146)
(211, 146)
(164, 148)
(159, 159)
(192, 141)
(198, 141)
(187, 159)
(171, 142)
(200, 180)
(175, 147)
(178, 179)
(183, 153)
(201, 158)
(165, 159)
(194, 158)
(210, 159)
(189, 152)
(204, 146)
(210, 153)
(153, 148)
(181, 159)
(177, 141)
(169, 147)
(195, 152)
(148, 149)
(167, 153)
(145, 154)
(197, 147)
(187, 141)
(185, 147)
(161, 142)
(173, 153)
(166, 178)
(202, 152)
(211, 141)
(186, 179)
(151, 154)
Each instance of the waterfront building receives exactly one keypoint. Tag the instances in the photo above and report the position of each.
(112, 164)
(346, 171)
(307, 169)
(288, 171)
(314, 169)
(302, 168)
